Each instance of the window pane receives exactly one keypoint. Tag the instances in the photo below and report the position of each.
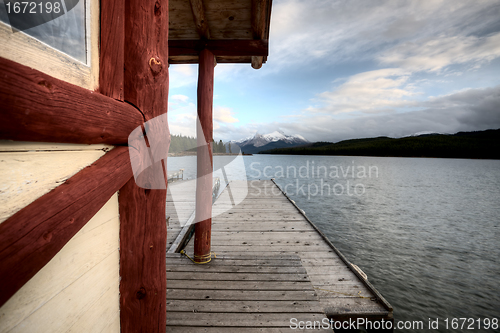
(65, 33)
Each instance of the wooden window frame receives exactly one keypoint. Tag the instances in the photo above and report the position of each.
(29, 51)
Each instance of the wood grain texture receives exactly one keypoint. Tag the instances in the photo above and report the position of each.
(26, 176)
(33, 236)
(61, 284)
(199, 18)
(204, 135)
(146, 56)
(259, 8)
(257, 62)
(112, 49)
(205, 96)
(242, 320)
(233, 48)
(193, 59)
(266, 298)
(22, 146)
(142, 259)
(70, 312)
(143, 231)
(204, 329)
(243, 306)
(37, 107)
(231, 25)
(243, 295)
(259, 24)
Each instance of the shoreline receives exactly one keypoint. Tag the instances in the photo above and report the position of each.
(193, 153)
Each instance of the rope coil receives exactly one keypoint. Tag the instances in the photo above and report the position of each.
(205, 259)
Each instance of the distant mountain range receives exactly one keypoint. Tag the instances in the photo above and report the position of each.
(479, 144)
(276, 139)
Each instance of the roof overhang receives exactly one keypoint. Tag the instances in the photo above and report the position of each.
(235, 31)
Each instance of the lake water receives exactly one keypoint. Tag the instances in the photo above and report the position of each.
(425, 231)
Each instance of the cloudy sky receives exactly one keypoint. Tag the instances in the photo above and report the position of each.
(351, 69)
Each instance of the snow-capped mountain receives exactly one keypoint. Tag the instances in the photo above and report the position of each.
(276, 139)
(422, 133)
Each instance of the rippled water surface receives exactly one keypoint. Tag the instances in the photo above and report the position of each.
(425, 231)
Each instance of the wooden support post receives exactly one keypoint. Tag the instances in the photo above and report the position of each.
(112, 48)
(204, 135)
(143, 229)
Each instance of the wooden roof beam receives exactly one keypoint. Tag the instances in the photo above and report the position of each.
(259, 18)
(200, 19)
(218, 47)
(259, 11)
(257, 62)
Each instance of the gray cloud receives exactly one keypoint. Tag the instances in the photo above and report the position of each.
(406, 48)
(308, 31)
(469, 110)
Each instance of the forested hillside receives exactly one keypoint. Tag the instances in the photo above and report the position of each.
(180, 143)
(480, 144)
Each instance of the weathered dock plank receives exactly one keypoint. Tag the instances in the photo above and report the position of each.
(231, 262)
(242, 295)
(240, 319)
(268, 223)
(244, 306)
(262, 296)
(204, 329)
(239, 269)
(272, 265)
(277, 225)
(239, 285)
(235, 276)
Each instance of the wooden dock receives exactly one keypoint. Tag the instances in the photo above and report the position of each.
(239, 291)
(175, 175)
(272, 265)
(181, 197)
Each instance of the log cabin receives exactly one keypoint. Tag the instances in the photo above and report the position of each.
(82, 246)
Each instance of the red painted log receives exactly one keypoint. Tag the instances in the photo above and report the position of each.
(112, 48)
(142, 259)
(204, 135)
(143, 233)
(37, 107)
(33, 236)
(219, 47)
(146, 56)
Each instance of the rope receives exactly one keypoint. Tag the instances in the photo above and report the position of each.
(338, 292)
(206, 258)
